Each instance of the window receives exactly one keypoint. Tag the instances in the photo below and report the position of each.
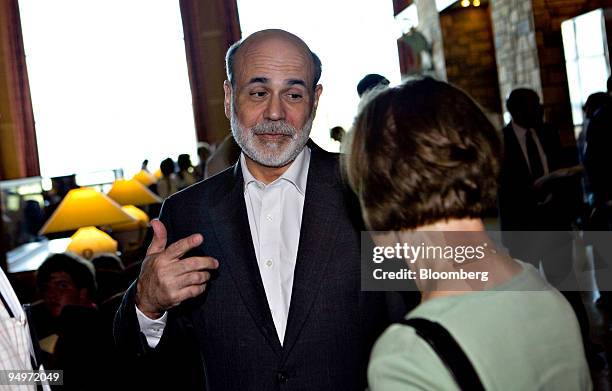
(109, 84)
(351, 38)
(586, 59)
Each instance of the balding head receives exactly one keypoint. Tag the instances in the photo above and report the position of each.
(240, 50)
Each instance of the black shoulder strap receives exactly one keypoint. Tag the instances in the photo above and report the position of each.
(448, 350)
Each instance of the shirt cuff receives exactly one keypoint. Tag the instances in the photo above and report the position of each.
(151, 328)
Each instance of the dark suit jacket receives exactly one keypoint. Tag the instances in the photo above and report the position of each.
(598, 157)
(519, 207)
(226, 338)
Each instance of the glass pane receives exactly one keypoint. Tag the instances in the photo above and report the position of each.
(569, 39)
(593, 75)
(577, 114)
(106, 94)
(573, 81)
(589, 34)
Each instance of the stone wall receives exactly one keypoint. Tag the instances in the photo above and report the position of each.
(470, 54)
(515, 46)
(429, 25)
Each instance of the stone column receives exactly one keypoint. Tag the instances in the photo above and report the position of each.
(516, 49)
(429, 25)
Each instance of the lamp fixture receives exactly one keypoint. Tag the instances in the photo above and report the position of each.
(88, 241)
(132, 192)
(83, 209)
(141, 220)
(145, 177)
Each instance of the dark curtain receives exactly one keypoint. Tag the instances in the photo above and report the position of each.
(210, 27)
(18, 150)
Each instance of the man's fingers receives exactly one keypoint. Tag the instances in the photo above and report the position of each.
(190, 292)
(158, 243)
(193, 278)
(191, 264)
(180, 247)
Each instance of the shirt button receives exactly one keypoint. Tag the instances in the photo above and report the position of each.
(282, 377)
(269, 217)
(269, 263)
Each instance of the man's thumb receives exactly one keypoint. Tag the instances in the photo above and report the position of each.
(158, 243)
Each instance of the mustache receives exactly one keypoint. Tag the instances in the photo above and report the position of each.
(274, 127)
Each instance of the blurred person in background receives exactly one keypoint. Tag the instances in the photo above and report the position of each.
(371, 81)
(598, 160)
(186, 174)
(540, 201)
(82, 346)
(593, 105)
(204, 152)
(225, 155)
(168, 183)
(337, 134)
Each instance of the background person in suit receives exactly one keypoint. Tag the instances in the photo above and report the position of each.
(371, 81)
(598, 160)
(279, 235)
(538, 200)
(597, 163)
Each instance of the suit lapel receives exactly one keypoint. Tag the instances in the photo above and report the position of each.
(515, 152)
(233, 232)
(322, 207)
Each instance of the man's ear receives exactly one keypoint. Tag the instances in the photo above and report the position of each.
(227, 101)
(317, 94)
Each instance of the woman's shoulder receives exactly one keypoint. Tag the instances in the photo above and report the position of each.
(401, 360)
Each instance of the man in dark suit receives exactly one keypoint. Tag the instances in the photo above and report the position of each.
(259, 288)
(532, 169)
(539, 198)
(598, 160)
(597, 163)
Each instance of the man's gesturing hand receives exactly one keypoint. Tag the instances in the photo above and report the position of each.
(166, 280)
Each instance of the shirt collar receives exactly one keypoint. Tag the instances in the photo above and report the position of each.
(519, 130)
(296, 174)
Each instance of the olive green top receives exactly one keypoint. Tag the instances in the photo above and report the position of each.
(522, 335)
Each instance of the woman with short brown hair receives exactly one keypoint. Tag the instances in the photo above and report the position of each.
(423, 160)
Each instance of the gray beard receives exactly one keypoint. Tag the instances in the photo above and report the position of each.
(270, 153)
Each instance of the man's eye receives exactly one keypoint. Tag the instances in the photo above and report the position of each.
(258, 94)
(295, 96)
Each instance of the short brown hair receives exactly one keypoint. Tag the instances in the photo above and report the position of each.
(420, 153)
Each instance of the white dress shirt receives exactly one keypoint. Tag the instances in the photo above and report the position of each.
(16, 348)
(275, 217)
(521, 135)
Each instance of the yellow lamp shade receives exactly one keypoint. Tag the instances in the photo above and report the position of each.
(145, 177)
(142, 220)
(132, 192)
(84, 207)
(89, 241)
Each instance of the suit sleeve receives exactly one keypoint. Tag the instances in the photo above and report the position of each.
(130, 337)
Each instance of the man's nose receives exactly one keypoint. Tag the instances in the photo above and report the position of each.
(275, 110)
